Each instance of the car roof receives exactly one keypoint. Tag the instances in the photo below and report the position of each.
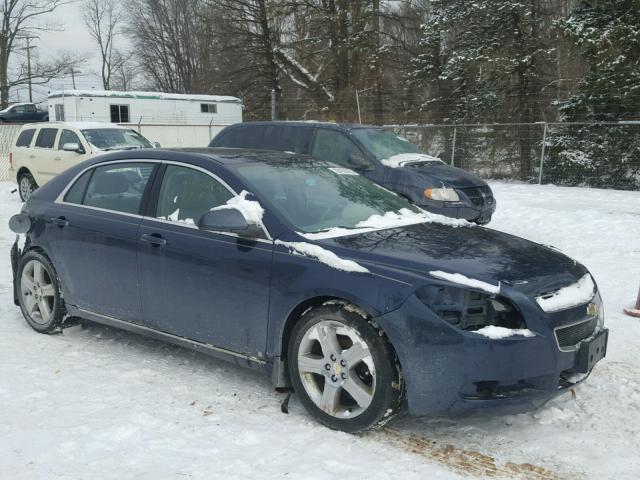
(236, 156)
(308, 123)
(78, 125)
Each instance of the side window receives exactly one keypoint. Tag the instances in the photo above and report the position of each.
(118, 187)
(76, 193)
(67, 136)
(119, 113)
(187, 194)
(208, 108)
(30, 108)
(25, 137)
(59, 112)
(46, 137)
(333, 146)
(20, 109)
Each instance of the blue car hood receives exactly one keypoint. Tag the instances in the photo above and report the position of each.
(475, 252)
(435, 174)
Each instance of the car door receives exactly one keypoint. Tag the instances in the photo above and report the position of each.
(30, 113)
(93, 238)
(208, 287)
(43, 165)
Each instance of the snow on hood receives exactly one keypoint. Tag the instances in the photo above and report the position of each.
(576, 294)
(402, 159)
(401, 218)
(497, 333)
(250, 209)
(469, 282)
(323, 255)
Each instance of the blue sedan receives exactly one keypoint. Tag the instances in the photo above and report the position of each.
(362, 302)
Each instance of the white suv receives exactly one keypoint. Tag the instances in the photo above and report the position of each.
(43, 150)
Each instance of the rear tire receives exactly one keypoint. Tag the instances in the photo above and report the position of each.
(26, 186)
(38, 293)
(344, 371)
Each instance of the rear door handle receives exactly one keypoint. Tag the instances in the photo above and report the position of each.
(59, 221)
(57, 158)
(32, 157)
(154, 239)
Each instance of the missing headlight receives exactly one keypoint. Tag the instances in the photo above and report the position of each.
(469, 309)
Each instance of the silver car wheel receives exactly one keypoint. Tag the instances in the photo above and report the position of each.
(26, 187)
(336, 369)
(38, 292)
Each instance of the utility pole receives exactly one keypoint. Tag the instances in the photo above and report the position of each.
(73, 72)
(28, 48)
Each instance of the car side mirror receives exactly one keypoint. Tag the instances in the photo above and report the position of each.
(229, 220)
(359, 162)
(73, 147)
(156, 144)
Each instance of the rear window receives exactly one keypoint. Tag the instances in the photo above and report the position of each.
(287, 138)
(25, 137)
(118, 187)
(46, 137)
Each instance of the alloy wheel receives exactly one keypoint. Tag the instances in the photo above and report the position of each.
(38, 292)
(26, 187)
(336, 369)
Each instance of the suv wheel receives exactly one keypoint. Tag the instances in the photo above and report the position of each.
(26, 186)
(343, 370)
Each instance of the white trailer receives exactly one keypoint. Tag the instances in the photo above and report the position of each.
(172, 119)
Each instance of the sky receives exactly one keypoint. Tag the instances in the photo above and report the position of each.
(72, 37)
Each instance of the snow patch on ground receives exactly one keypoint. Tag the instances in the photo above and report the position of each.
(401, 218)
(250, 209)
(95, 399)
(404, 159)
(580, 292)
(323, 255)
(469, 282)
(498, 333)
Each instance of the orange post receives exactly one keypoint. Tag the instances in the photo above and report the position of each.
(634, 312)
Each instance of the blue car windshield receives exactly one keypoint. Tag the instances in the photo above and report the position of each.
(316, 196)
(383, 143)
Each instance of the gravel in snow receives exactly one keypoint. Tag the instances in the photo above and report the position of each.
(96, 402)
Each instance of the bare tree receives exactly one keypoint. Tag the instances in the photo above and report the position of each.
(21, 18)
(102, 18)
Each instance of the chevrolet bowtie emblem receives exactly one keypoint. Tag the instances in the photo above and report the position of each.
(591, 309)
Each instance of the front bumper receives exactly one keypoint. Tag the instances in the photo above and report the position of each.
(448, 371)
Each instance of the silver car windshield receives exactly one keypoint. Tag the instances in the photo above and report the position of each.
(115, 139)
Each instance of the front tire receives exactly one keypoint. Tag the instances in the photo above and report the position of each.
(38, 293)
(26, 186)
(344, 371)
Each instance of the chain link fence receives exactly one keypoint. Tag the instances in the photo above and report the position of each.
(603, 155)
(7, 137)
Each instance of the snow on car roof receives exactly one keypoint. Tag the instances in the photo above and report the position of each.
(143, 95)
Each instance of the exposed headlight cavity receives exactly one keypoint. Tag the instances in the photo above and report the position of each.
(469, 309)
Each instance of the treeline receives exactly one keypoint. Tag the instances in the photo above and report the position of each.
(405, 61)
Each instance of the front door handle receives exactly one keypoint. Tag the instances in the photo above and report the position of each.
(154, 239)
(59, 221)
(57, 158)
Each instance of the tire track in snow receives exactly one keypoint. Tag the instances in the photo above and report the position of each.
(469, 462)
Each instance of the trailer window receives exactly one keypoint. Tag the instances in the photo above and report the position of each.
(208, 108)
(59, 113)
(119, 113)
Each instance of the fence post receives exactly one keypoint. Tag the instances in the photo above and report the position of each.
(273, 104)
(544, 144)
(139, 125)
(453, 145)
(210, 136)
(358, 105)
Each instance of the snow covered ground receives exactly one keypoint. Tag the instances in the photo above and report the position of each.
(99, 403)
